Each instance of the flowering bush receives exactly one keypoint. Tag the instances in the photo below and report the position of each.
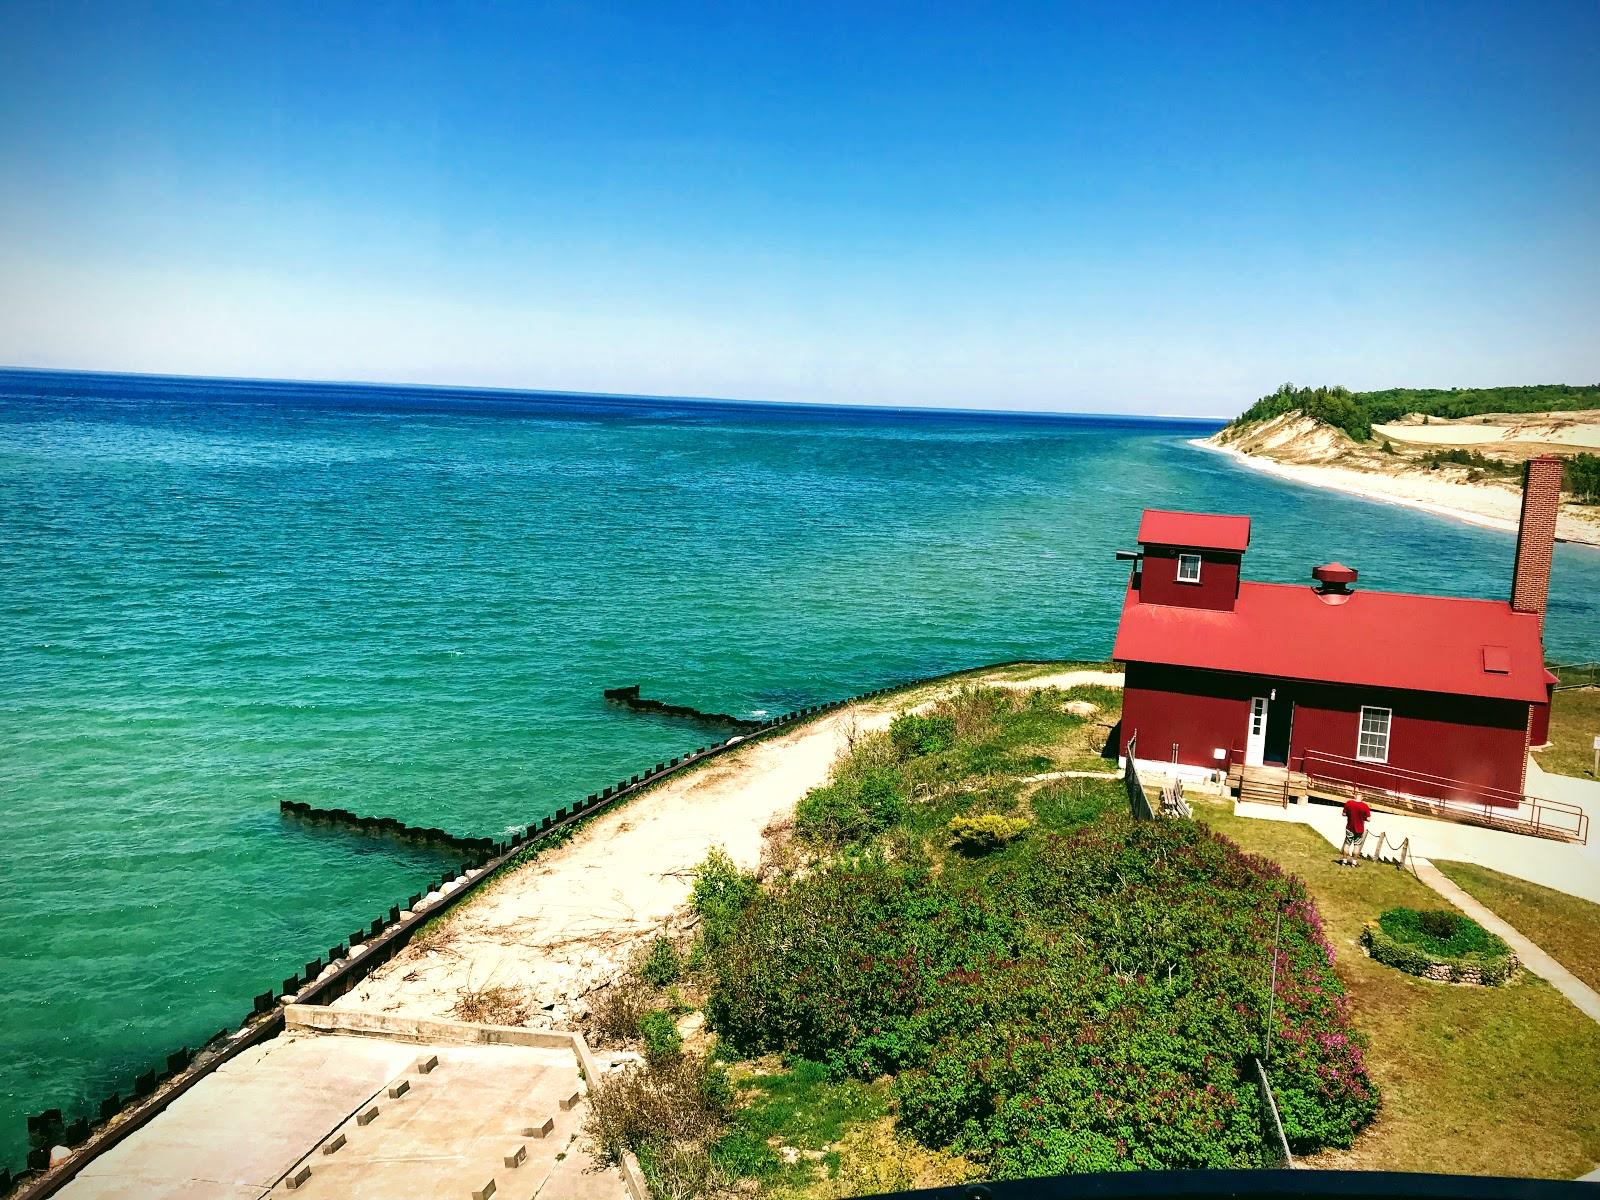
(1072, 1003)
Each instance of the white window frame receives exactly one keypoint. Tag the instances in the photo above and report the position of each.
(1363, 734)
(1188, 558)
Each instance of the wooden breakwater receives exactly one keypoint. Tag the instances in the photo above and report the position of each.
(386, 827)
(629, 697)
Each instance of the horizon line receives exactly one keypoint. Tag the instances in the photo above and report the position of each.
(706, 400)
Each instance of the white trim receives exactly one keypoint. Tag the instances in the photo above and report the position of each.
(1189, 558)
(1363, 732)
(1255, 732)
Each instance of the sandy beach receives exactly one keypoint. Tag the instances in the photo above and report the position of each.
(1477, 504)
(558, 927)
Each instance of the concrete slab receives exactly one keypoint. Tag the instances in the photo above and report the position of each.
(303, 1101)
(245, 1125)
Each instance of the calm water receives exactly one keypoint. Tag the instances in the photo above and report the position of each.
(214, 596)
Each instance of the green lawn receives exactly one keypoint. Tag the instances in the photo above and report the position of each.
(1574, 724)
(1565, 927)
(1483, 1081)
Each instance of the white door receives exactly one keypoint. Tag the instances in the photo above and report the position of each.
(1255, 744)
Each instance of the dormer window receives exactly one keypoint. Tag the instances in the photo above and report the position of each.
(1188, 568)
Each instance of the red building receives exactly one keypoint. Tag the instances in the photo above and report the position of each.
(1423, 695)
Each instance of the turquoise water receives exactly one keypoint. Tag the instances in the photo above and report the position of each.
(407, 602)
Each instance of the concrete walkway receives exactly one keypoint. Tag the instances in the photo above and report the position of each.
(1564, 866)
(1535, 959)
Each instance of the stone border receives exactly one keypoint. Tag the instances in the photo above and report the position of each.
(1477, 969)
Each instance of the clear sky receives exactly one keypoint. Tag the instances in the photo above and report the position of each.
(1110, 207)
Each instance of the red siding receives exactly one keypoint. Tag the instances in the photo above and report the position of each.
(1219, 579)
(1200, 710)
(1479, 742)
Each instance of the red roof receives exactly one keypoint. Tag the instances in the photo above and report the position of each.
(1372, 639)
(1204, 531)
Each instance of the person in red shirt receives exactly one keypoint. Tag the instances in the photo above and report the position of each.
(1356, 813)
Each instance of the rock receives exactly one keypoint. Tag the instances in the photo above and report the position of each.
(690, 1025)
(59, 1155)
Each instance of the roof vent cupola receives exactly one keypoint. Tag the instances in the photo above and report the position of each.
(1333, 581)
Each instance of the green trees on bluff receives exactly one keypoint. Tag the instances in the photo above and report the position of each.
(1357, 412)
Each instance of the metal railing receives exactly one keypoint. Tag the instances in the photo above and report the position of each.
(1138, 801)
(1456, 799)
(1575, 675)
(1274, 1145)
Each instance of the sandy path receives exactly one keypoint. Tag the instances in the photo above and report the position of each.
(1063, 679)
(1486, 505)
(562, 924)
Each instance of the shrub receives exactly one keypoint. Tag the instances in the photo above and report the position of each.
(660, 1034)
(988, 831)
(1440, 931)
(720, 895)
(661, 965)
(615, 1011)
(1434, 459)
(679, 1099)
(494, 1005)
(1087, 1005)
(854, 806)
(1582, 477)
(915, 735)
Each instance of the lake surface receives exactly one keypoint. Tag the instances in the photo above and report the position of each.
(406, 602)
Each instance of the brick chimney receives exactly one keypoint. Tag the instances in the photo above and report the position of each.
(1536, 535)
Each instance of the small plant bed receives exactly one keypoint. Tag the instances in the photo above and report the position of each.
(1439, 944)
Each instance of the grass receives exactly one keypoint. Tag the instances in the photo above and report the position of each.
(800, 1132)
(1574, 724)
(1565, 927)
(1481, 1081)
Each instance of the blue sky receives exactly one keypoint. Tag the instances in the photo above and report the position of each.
(1110, 208)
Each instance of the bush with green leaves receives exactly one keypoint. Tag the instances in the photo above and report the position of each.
(1582, 478)
(661, 965)
(987, 831)
(1083, 1002)
(720, 895)
(914, 734)
(1439, 943)
(854, 806)
(660, 1035)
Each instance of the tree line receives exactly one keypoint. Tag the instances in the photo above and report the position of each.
(1357, 412)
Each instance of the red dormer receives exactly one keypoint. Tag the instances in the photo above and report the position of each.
(1191, 560)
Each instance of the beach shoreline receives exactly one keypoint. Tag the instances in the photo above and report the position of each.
(560, 927)
(1486, 507)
